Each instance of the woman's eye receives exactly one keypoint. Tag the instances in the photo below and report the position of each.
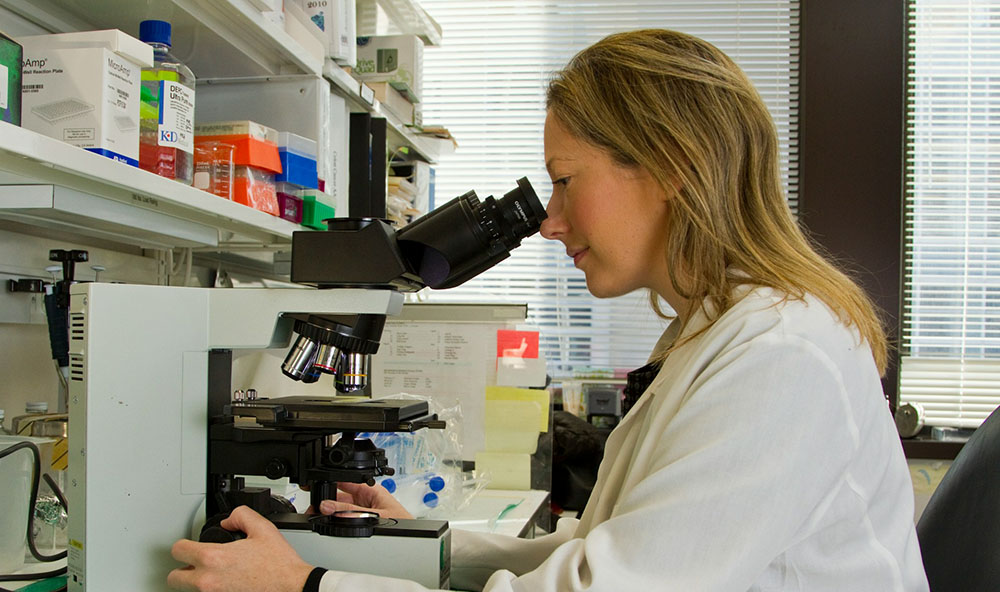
(561, 181)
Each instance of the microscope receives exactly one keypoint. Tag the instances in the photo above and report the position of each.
(159, 442)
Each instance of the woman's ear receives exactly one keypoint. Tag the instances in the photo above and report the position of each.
(674, 186)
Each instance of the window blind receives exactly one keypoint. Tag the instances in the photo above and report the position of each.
(950, 361)
(486, 84)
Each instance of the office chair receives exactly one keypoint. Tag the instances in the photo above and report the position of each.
(959, 530)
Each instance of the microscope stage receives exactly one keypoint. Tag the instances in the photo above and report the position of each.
(310, 413)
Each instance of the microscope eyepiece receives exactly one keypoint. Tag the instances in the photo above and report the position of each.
(465, 237)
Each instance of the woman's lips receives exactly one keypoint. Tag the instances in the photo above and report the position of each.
(577, 256)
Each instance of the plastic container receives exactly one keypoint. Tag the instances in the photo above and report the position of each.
(297, 144)
(298, 161)
(3, 430)
(289, 202)
(297, 169)
(166, 114)
(15, 497)
(316, 207)
(254, 187)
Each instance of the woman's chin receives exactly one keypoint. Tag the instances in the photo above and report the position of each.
(603, 290)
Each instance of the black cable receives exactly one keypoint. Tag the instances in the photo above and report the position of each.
(34, 576)
(36, 470)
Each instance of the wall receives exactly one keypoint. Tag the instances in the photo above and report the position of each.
(852, 88)
(26, 366)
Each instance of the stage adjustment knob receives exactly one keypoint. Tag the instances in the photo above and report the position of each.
(347, 523)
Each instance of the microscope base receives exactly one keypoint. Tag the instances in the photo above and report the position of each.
(416, 550)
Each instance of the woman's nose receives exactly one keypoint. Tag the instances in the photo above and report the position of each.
(554, 226)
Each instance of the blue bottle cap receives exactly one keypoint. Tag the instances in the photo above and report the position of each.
(389, 484)
(431, 500)
(154, 32)
(436, 483)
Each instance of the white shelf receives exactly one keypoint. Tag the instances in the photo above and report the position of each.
(404, 16)
(398, 133)
(162, 212)
(215, 38)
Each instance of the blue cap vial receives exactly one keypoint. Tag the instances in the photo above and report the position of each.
(436, 483)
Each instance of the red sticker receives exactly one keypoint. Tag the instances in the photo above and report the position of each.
(517, 344)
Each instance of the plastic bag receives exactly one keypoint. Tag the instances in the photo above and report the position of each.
(428, 478)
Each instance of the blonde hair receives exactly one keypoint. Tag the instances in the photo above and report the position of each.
(681, 109)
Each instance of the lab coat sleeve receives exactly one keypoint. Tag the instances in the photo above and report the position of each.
(733, 478)
(476, 556)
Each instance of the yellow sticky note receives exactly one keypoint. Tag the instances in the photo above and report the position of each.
(505, 470)
(512, 426)
(509, 393)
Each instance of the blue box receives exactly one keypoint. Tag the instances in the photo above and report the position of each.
(297, 169)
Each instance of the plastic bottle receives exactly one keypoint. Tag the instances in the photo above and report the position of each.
(32, 410)
(166, 113)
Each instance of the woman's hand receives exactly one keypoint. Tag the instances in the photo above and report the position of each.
(262, 561)
(359, 496)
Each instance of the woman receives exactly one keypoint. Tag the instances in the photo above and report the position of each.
(762, 455)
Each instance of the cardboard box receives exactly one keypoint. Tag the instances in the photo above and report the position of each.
(338, 21)
(300, 27)
(11, 56)
(393, 101)
(392, 58)
(84, 89)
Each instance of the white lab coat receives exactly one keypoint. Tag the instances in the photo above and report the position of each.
(762, 457)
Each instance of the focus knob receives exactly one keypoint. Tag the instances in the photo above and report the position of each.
(217, 534)
(276, 468)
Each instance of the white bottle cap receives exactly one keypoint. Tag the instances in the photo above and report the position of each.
(36, 407)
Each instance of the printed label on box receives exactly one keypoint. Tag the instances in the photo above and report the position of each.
(79, 134)
(388, 59)
(176, 128)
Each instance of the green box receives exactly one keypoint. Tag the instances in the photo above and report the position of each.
(314, 211)
(11, 57)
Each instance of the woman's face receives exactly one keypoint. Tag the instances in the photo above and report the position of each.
(612, 219)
